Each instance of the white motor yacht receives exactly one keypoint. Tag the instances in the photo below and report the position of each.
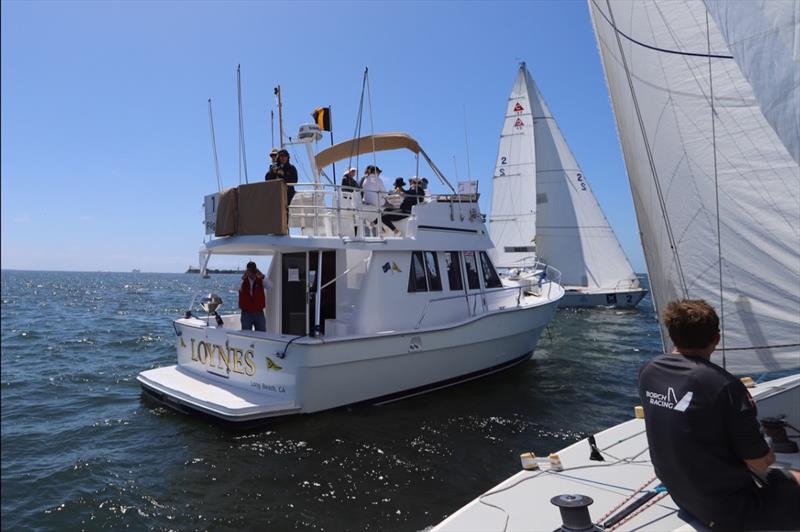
(353, 315)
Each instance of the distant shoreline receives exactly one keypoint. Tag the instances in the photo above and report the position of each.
(197, 270)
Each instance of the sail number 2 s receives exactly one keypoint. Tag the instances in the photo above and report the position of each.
(502, 171)
(581, 181)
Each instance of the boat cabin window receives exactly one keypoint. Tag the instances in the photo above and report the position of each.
(472, 270)
(432, 270)
(490, 277)
(424, 272)
(453, 270)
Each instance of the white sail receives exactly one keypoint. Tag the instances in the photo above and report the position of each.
(764, 37)
(716, 191)
(572, 233)
(513, 216)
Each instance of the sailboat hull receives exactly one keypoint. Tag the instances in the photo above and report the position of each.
(577, 297)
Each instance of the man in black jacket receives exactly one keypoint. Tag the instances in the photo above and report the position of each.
(414, 195)
(283, 169)
(704, 435)
(349, 182)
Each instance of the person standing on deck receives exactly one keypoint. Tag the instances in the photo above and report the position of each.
(703, 433)
(285, 170)
(252, 299)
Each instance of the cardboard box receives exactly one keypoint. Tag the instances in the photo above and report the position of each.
(262, 209)
(227, 212)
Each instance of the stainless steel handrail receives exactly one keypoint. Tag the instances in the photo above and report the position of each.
(333, 209)
(488, 291)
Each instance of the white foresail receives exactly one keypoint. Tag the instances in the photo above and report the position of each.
(572, 233)
(716, 191)
(513, 216)
(764, 37)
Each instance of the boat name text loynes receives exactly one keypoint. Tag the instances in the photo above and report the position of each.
(228, 358)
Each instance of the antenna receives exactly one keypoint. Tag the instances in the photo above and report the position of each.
(466, 141)
(277, 91)
(369, 102)
(272, 127)
(214, 144)
(242, 153)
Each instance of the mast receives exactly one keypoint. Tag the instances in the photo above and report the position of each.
(214, 145)
(242, 152)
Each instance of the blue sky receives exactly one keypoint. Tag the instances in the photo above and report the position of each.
(106, 150)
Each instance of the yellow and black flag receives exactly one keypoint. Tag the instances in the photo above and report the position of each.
(322, 117)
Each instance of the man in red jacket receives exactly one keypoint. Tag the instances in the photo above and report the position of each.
(252, 299)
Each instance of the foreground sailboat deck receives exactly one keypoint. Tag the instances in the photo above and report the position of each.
(522, 502)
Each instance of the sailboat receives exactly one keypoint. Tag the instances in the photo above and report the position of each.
(543, 207)
(716, 185)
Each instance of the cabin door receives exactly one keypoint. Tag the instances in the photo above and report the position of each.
(328, 302)
(299, 290)
(294, 296)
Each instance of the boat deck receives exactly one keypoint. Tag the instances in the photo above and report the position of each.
(522, 502)
(231, 403)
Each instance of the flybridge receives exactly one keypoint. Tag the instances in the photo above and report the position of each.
(331, 211)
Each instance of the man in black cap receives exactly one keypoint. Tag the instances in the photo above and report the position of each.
(283, 169)
(704, 436)
(349, 181)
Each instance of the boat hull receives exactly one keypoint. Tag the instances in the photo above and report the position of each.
(257, 382)
(602, 298)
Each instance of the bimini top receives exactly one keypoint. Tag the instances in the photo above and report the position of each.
(368, 144)
(375, 143)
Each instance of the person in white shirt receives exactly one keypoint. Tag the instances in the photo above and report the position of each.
(374, 191)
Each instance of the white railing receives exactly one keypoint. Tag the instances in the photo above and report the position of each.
(327, 210)
(533, 275)
(628, 284)
(489, 299)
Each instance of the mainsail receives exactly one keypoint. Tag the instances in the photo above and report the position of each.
(716, 189)
(513, 216)
(572, 233)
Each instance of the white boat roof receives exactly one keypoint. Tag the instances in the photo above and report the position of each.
(435, 225)
(271, 244)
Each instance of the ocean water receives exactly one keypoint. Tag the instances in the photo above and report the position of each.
(82, 450)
